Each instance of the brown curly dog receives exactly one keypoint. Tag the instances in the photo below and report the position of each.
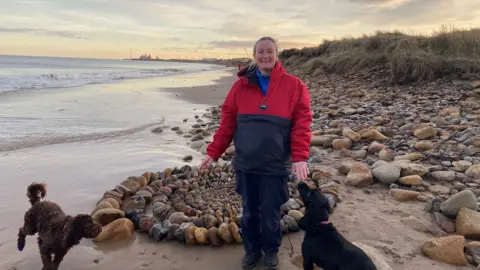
(57, 232)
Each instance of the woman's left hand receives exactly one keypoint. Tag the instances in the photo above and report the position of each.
(300, 169)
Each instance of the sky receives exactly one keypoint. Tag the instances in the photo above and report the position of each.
(209, 28)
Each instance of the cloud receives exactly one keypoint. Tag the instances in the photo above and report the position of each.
(225, 26)
(63, 34)
(248, 44)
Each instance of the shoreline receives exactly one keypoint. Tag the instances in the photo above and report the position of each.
(212, 95)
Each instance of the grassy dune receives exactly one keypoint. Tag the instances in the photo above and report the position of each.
(404, 58)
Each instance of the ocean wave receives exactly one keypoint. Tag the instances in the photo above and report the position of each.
(35, 140)
(67, 80)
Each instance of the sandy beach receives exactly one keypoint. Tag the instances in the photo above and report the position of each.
(78, 172)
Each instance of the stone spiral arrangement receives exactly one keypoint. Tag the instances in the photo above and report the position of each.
(193, 206)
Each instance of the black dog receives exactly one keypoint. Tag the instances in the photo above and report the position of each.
(323, 244)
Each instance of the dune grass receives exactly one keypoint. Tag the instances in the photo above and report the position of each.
(405, 58)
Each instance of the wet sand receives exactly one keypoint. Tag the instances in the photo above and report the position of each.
(78, 173)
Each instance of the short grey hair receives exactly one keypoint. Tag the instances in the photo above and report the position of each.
(252, 62)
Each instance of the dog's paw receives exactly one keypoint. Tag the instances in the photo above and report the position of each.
(20, 245)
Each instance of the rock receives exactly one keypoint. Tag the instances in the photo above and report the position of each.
(424, 145)
(434, 205)
(339, 144)
(378, 164)
(142, 180)
(366, 133)
(190, 238)
(322, 141)
(377, 259)
(468, 223)
(187, 158)
(465, 198)
(359, 154)
(412, 180)
(180, 232)
(107, 215)
(230, 150)
(210, 221)
(376, 147)
(439, 190)
(197, 144)
(178, 218)
(447, 249)
(157, 130)
(172, 228)
(119, 229)
(404, 195)
(101, 205)
(292, 204)
(359, 175)
(386, 154)
(411, 169)
(283, 226)
(473, 171)
(444, 176)
(214, 237)
(224, 233)
(425, 133)
(145, 224)
(132, 185)
(446, 224)
(158, 232)
(350, 134)
(345, 168)
(388, 173)
(235, 232)
(378, 136)
(113, 202)
(414, 156)
(291, 223)
(134, 203)
(473, 249)
(422, 226)
(461, 166)
(297, 215)
(201, 236)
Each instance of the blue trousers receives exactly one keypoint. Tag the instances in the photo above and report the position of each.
(262, 197)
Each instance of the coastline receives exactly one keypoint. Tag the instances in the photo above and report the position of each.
(213, 94)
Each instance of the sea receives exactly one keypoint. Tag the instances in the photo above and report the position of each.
(46, 100)
(33, 72)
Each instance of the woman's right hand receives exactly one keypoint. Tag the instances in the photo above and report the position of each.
(206, 161)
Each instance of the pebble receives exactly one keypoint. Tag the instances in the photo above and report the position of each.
(387, 173)
(463, 199)
(447, 249)
(359, 175)
(468, 223)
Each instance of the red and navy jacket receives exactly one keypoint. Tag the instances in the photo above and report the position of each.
(267, 130)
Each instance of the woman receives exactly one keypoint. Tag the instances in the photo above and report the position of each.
(268, 111)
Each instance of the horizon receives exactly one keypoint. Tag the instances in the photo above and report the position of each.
(195, 29)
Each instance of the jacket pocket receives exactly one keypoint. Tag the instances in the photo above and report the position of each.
(259, 144)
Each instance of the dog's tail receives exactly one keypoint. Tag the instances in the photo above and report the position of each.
(36, 192)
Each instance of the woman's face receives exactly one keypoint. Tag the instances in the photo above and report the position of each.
(265, 55)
